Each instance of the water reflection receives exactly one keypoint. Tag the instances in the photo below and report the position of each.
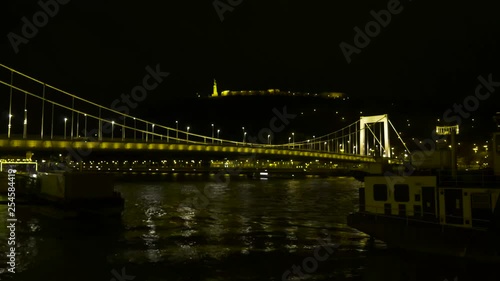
(245, 230)
(152, 197)
(25, 243)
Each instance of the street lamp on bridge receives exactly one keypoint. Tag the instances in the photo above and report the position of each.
(153, 133)
(10, 125)
(112, 129)
(10, 107)
(177, 130)
(25, 129)
(135, 129)
(293, 140)
(213, 129)
(268, 139)
(85, 131)
(65, 121)
(218, 135)
(187, 135)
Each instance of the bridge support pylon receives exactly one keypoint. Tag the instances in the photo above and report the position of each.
(364, 130)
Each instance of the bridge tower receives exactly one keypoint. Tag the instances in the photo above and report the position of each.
(453, 131)
(364, 130)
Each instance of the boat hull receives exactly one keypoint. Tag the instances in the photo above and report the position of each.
(429, 237)
(89, 208)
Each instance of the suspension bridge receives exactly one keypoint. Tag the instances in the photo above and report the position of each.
(34, 122)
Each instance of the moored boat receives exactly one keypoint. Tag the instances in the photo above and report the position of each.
(80, 194)
(456, 215)
(60, 194)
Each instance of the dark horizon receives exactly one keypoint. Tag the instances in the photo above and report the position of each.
(99, 52)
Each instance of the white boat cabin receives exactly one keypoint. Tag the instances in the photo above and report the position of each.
(419, 197)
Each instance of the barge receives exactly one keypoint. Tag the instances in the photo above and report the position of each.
(78, 195)
(61, 194)
(419, 215)
(457, 215)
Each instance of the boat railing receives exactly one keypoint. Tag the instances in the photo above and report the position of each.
(423, 217)
(479, 178)
(490, 182)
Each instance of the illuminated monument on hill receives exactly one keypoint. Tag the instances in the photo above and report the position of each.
(215, 93)
(273, 92)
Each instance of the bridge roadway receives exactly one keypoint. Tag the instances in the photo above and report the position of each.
(84, 148)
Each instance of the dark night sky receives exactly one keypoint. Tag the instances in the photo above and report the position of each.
(432, 49)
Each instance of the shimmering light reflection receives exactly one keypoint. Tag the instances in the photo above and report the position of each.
(216, 220)
(152, 198)
(187, 214)
(267, 227)
(269, 246)
(291, 238)
(246, 230)
(215, 229)
(244, 196)
(182, 252)
(27, 249)
(184, 217)
(30, 248)
(292, 198)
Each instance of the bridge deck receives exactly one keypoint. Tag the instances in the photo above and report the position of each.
(254, 149)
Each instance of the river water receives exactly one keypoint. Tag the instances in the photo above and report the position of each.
(201, 230)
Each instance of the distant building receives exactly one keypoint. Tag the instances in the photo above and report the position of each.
(333, 95)
(252, 93)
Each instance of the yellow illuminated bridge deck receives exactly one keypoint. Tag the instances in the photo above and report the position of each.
(120, 146)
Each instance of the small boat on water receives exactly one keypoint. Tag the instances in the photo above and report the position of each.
(62, 194)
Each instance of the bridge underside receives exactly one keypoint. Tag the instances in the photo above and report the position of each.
(84, 149)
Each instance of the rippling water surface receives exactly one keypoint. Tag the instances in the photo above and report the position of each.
(199, 230)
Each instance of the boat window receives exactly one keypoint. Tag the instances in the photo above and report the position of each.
(401, 193)
(481, 201)
(380, 192)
